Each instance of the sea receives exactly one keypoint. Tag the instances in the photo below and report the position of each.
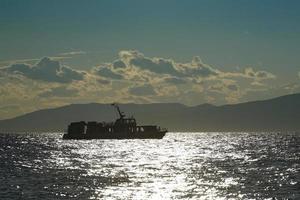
(179, 166)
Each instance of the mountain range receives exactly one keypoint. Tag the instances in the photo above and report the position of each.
(278, 114)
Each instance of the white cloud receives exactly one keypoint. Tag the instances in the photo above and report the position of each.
(250, 73)
(165, 66)
(156, 65)
(30, 60)
(73, 53)
(197, 69)
(45, 70)
(132, 77)
(258, 75)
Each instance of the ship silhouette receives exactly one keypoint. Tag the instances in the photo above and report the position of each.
(123, 128)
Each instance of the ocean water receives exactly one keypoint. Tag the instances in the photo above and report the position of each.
(180, 166)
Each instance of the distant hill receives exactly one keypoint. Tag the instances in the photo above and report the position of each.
(278, 114)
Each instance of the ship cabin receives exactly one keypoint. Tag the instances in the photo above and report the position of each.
(125, 125)
(76, 128)
(125, 122)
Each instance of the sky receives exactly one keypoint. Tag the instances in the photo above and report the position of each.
(58, 52)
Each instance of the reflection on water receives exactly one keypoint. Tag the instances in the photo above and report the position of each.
(180, 166)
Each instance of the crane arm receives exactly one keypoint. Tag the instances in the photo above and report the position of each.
(119, 111)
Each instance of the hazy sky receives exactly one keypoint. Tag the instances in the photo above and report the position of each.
(58, 52)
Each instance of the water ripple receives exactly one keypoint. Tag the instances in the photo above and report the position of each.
(180, 166)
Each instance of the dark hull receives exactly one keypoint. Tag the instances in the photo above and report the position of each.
(144, 135)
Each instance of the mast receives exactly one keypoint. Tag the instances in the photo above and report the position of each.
(122, 115)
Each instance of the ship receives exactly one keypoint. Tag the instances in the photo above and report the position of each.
(122, 128)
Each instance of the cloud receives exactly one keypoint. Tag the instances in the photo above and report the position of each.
(171, 78)
(118, 64)
(9, 110)
(174, 80)
(106, 72)
(46, 70)
(250, 73)
(165, 66)
(224, 91)
(132, 77)
(9, 62)
(60, 91)
(299, 74)
(143, 90)
(260, 75)
(30, 60)
(232, 87)
(197, 68)
(9, 107)
(73, 53)
(224, 86)
(156, 65)
(103, 81)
